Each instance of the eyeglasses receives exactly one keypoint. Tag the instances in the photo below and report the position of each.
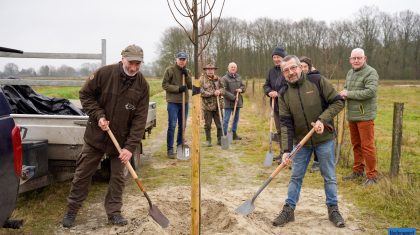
(290, 69)
(356, 58)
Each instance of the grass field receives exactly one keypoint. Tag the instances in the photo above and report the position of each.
(392, 203)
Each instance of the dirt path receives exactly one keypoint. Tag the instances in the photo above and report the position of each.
(218, 216)
(219, 202)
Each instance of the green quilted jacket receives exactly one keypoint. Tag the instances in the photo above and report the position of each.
(361, 86)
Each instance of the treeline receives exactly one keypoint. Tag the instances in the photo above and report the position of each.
(12, 70)
(391, 42)
(85, 70)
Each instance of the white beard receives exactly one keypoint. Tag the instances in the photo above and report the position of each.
(129, 74)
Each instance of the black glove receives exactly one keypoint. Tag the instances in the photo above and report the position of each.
(184, 71)
(182, 88)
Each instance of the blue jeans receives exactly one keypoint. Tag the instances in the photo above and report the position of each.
(325, 153)
(228, 112)
(174, 116)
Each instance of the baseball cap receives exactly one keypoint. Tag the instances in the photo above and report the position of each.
(181, 55)
(133, 52)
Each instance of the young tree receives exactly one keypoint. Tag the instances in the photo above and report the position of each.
(195, 12)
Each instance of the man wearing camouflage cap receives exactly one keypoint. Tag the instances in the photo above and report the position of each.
(211, 89)
(117, 97)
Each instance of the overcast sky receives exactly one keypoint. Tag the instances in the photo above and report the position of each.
(79, 25)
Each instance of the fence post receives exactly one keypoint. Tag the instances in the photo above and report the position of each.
(396, 138)
(253, 87)
(103, 59)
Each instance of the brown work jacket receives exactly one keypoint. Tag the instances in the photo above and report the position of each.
(122, 100)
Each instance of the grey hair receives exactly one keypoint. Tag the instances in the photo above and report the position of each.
(290, 57)
(358, 50)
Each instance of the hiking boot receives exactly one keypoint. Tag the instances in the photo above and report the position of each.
(353, 176)
(208, 143)
(370, 182)
(314, 167)
(117, 220)
(69, 219)
(219, 142)
(236, 136)
(171, 154)
(335, 217)
(286, 215)
(275, 137)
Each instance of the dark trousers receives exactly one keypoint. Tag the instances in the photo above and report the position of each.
(209, 116)
(87, 165)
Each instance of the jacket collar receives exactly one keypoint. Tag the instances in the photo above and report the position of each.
(299, 82)
(124, 76)
(361, 68)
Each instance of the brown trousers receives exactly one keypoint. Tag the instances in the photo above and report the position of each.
(363, 141)
(86, 167)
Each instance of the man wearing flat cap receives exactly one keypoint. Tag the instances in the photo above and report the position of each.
(272, 85)
(211, 89)
(117, 97)
(172, 84)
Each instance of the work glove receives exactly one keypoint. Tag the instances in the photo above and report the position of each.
(184, 71)
(182, 88)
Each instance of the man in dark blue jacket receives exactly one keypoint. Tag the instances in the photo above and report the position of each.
(273, 84)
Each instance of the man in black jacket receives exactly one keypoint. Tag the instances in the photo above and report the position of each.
(273, 84)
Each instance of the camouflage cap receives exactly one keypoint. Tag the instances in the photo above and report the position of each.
(209, 66)
(133, 52)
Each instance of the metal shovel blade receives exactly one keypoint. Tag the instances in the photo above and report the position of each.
(230, 137)
(225, 142)
(246, 208)
(183, 152)
(268, 159)
(158, 216)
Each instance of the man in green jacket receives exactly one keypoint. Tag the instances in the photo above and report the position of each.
(172, 84)
(305, 102)
(360, 92)
(116, 96)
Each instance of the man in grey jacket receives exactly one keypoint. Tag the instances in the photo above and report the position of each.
(360, 92)
(233, 87)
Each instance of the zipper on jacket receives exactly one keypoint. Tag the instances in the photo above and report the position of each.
(304, 115)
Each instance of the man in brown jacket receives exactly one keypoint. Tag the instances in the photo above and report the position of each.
(117, 97)
(172, 84)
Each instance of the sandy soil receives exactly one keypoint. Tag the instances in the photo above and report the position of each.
(218, 206)
(218, 214)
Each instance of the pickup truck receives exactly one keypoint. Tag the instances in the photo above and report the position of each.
(63, 137)
(10, 160)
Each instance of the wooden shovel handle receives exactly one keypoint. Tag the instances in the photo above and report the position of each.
(183, 111)
(127, 164)
(272, 115)
(220, 115)
(294, 151)
(236, 104)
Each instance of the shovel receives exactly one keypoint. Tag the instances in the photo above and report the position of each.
(229, 134)
(269, 155)
(248, 206)
(154, 212)
(183, 151)
(224, 140)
